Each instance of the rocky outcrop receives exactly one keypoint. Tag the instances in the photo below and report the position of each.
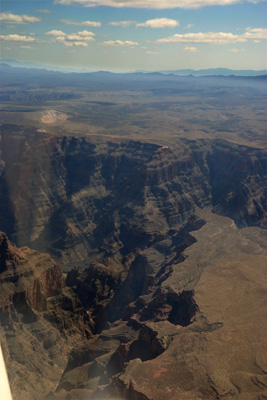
(31, 278)
(41, 320)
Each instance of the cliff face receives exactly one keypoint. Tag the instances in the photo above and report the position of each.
(40, 320)
(53, 188)
(135, 317)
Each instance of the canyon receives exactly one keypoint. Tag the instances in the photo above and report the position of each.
(73, 197)
(132, 266)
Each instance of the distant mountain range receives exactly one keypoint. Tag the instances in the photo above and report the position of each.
(214, 71)
(25, 64)
(200, 72)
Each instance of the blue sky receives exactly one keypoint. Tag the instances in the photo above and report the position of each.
(123, 35)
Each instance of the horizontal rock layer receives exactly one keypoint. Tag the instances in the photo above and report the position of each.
(76, 197)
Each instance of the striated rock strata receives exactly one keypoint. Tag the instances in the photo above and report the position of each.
(86, 197)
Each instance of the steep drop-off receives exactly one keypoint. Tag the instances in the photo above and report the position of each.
(78, 198)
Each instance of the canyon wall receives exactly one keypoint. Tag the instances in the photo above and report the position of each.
(75, 197)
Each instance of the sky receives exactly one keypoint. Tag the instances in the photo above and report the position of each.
(124, 35)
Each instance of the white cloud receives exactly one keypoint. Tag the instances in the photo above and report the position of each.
(189, 26)
(216, 37)
(256, 33)
(75, 43)
(209, 37)
(54, 32)
(73, 39)
(150, 23)
(16, 38)
(95, 24)
(159, 23)
(82, 35)
(153, 4)
(25, 47)
(152, 52)
(122, 24)
(237, 50)
(191, 49)
(10, 18)
(120, 43)
(86, 33)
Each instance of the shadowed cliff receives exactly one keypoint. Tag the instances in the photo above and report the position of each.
(75, 197)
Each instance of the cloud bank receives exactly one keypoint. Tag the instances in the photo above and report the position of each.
(153, 4)
(73, 39)
(120, 43)
(16, 38)
(216, 37)
(95, 24)
(150, 23)
(10, 18)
